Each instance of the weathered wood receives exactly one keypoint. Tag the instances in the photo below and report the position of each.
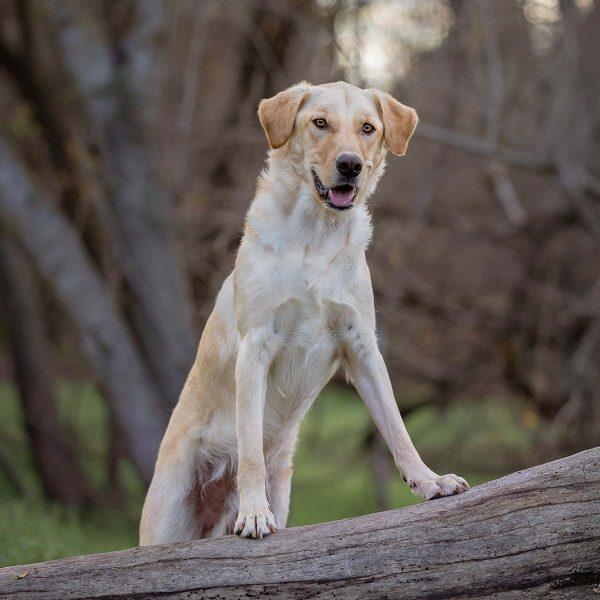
(535, 533)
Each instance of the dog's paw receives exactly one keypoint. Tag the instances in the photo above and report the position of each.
(255, 524)
(437, 486)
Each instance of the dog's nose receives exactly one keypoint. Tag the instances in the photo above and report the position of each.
(349, 165)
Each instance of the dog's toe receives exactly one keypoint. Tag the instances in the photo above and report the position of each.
(448, 485)
(255, 525)
(438, 486)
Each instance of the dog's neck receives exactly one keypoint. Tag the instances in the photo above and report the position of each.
(285, 212)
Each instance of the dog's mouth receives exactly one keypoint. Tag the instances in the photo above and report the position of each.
(339, 197)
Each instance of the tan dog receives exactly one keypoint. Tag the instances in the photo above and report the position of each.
(298, 305)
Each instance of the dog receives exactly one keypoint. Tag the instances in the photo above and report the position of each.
(297, 306)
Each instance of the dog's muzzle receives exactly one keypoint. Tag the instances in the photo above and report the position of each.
(338, 197)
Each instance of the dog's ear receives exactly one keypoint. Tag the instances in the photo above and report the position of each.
(278, 114)
(399, 122)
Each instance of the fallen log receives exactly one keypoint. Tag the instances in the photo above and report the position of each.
(535, 533)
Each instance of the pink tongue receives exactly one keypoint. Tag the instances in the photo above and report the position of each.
(340, 199)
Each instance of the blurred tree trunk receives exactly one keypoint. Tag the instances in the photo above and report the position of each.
(60, 259)
(105, 55)
(115, 493)
(110, 52)
(57, 465)
(107, 168)
(8, 470)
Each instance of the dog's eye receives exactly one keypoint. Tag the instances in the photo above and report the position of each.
(320, 123)
(368, 128)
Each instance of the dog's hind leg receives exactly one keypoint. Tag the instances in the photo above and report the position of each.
(170, 511)
(189, 498)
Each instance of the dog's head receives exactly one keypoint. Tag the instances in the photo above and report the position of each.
(336, 136)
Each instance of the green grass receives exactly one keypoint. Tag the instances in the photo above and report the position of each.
(332, 478)
(33, 531)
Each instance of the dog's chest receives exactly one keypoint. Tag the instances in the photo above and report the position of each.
(315, 283)
(308, 355)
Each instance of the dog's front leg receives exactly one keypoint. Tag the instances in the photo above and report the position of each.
(255, 354)
(369, 374)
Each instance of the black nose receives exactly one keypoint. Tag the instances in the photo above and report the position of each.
(349, 165)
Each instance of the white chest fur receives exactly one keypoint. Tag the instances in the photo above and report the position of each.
(303, 274)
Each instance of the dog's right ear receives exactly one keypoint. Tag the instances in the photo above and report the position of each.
(399, 122)
(278, 114)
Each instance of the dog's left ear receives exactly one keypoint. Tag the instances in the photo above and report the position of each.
(278, 114)
(399, 122)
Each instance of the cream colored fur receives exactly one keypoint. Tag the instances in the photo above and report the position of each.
(298, 306)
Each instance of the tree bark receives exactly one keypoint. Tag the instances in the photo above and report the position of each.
(535, 533)
(50, 240)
